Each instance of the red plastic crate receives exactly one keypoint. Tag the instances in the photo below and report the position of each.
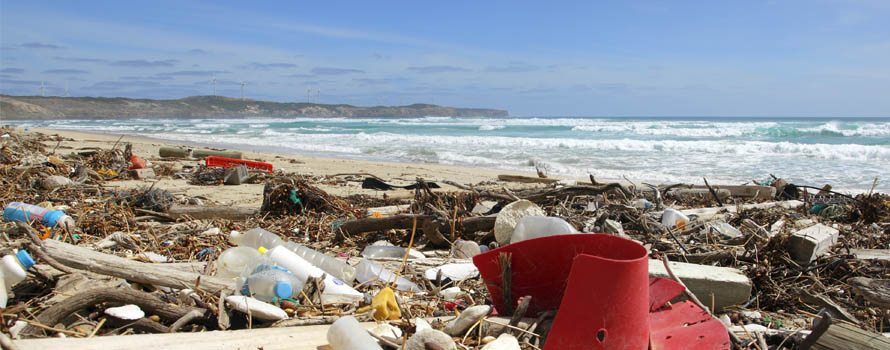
(228, 162)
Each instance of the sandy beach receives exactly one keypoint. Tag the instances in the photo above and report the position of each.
(251, 194)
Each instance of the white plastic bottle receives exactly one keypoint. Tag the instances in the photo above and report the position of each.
(347, 334)
(232, 261)
(270, 283)
(13, 269)
(367, 270)
(335, 290)
(540, 226)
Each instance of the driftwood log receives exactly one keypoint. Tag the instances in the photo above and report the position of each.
(147, 302)
(434, 228)
(155, 274)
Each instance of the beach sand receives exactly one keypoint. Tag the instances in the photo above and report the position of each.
(251, 195)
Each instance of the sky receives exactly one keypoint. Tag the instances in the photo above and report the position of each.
(533, 58)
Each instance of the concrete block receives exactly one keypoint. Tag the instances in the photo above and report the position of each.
(144, 173)
(728, 285)
(808, 244)
(236, 175)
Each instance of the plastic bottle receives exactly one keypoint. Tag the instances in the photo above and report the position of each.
(18, 211)
(259, 237)
(347, 334)
(642, 204)
(271, 282)
(329, 264)
(674, 219)
(367, 270)
(13, 269)
(383, 251)
(232, 261)
(256, 238)
(540, 226)
(335, 290)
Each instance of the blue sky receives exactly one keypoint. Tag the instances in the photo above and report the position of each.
(584, 58)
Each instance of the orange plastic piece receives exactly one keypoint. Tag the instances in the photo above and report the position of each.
(138, 163)
(224, 162)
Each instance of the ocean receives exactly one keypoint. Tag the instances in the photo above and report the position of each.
(846, 153)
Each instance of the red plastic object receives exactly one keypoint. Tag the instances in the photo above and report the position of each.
(604, 303)
(138, 163)
(682, 325)
(606, 300)
(211, 161)
(541, 266)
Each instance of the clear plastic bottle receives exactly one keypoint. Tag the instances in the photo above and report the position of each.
(270, 283)
(329, 264)
(259, 237)
(13, 269)
(335, 290)
(232, 261)
(367, 270)
(18, 211)
(383, 251)
(540, 226)
(256, 238)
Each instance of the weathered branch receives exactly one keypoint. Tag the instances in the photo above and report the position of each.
(146, 301)
(155, 274)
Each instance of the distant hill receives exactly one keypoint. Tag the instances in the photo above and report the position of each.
(43, 108)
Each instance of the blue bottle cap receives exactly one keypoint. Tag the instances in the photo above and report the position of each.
(283, 289)
(25, 259)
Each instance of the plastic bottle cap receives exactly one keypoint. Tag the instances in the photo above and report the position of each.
(283, 289)
(262, 250)
(25, 259)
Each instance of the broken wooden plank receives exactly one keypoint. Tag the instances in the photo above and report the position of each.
(841, 335)
(728, 285)
(155, 274)
(808, 244)
(291, 338)
(525, 179)
(211, 212)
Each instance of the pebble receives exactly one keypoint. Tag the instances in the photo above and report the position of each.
(504, 342)
(418, 340)
(466, 319)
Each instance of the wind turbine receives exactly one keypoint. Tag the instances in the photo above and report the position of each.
(309, 95)
(42, 89)
(67, 93)
(242, 89)
(213, 82)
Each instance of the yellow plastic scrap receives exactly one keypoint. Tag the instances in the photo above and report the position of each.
(56, 161)
(385, 306)
(107, 172)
